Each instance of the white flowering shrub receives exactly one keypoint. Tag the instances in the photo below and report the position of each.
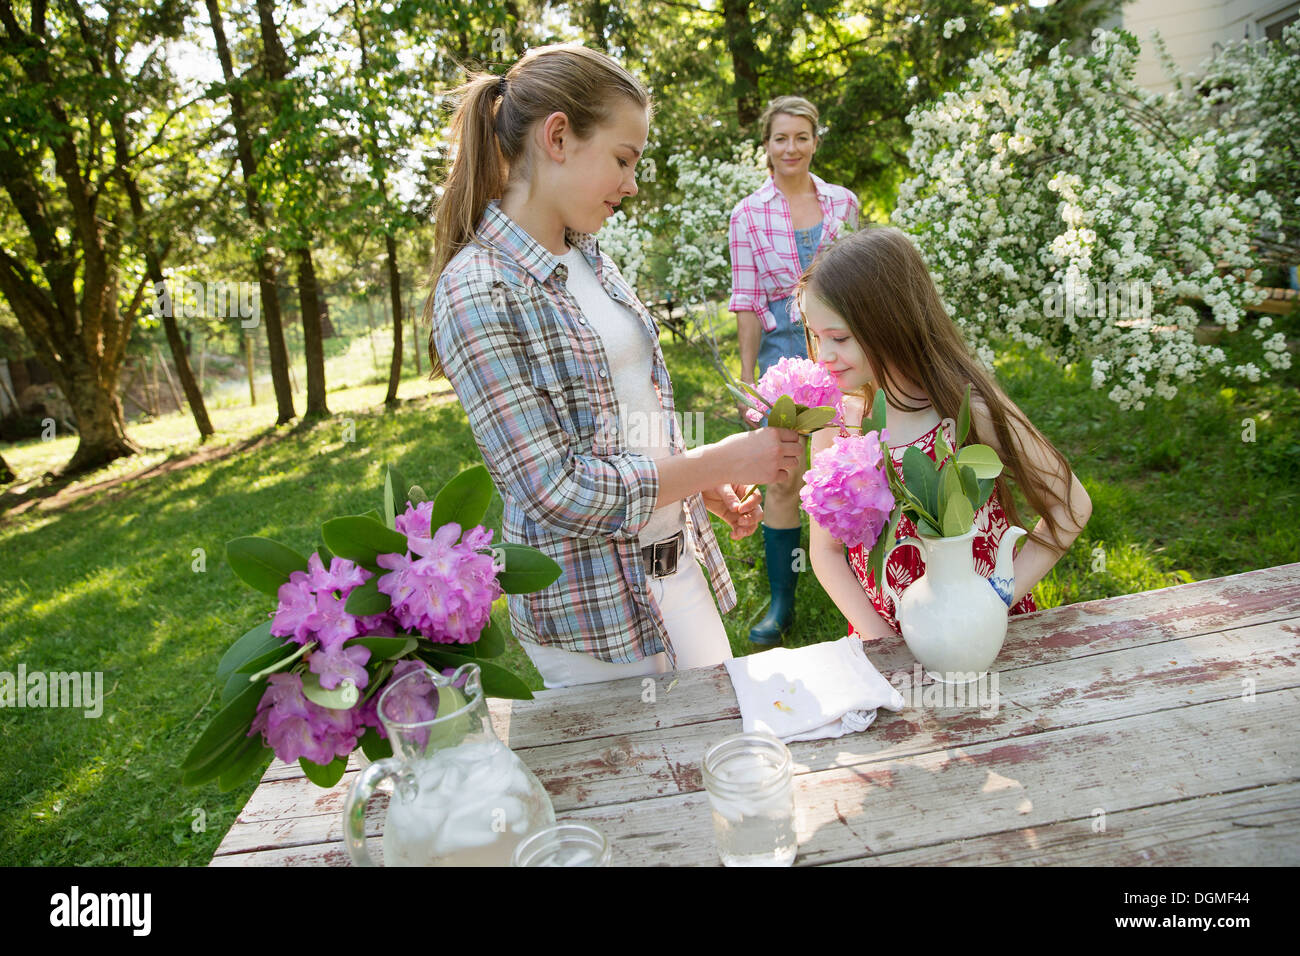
(1063, 206)
(694, 229)
(623, 240)
(1248, 96)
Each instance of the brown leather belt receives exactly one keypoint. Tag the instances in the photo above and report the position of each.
(661, 557)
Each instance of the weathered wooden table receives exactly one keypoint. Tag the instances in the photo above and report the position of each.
(1155, 728)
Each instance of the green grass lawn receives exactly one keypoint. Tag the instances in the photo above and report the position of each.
(109, 582)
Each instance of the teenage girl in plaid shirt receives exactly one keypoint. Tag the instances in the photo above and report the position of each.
(775, 233)
(555, 361)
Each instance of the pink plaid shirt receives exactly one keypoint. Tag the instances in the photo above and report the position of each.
(764, 260)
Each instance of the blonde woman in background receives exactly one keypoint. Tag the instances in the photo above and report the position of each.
(775, 233)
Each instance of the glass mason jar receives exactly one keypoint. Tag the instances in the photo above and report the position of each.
(750, 782)
(565, 844)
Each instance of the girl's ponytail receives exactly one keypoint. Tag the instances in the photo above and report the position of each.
(478, 175)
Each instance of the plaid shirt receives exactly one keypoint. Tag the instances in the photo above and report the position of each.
(764, 260)
(536, 385)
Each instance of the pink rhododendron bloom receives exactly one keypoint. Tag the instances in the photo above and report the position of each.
(441, 589)
(294, 727)
(336, 664)
(806, 382)
(846, 490)
(311, 603)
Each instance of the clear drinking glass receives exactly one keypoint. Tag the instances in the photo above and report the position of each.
(750, 782)
(564, 844)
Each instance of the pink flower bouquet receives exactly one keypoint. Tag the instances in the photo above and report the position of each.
(385, 595)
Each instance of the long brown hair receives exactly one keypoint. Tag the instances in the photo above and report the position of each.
(876, 280)
(489, 132)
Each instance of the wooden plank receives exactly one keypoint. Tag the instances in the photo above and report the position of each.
(618, 708)
(638, 767)
(1259, 826)
(279, 824)
(845, 814)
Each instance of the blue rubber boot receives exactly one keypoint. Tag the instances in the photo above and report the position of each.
(779, 546)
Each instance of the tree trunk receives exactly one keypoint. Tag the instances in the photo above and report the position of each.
(395, 291)
(72, 321)
(276, 65)
(277, 353)
(744, 60)
(415, 344)
(313, 349)
(248, 364)
(153, 257)
(370, 333)
(6, 473)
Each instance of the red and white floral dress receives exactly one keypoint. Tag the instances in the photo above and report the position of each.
(906, 565)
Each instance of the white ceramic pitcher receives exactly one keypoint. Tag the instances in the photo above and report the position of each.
(952, 618)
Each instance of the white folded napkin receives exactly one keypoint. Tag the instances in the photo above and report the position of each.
(806, 693)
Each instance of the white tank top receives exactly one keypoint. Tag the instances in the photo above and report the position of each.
(631, 364)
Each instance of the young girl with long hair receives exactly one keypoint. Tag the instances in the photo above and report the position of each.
(559, 369)
(875, 320)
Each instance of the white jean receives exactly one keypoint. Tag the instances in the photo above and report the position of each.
(693, 624)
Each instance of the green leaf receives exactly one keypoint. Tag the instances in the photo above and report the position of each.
(970, 485)
(366, 599)
(342, 697)
(497, 681)
(756, 393)
(263, 564)
(782, 414)
(236, 746)
(416, 495)
(928, 528)
(525, 569)
(253, 643)
(492, 641)
(362, 538)
(463, 500)
(884, 542)
(963, 418)
(390, 512)
(325, 554)
(957, 513)
(949, 487)
(983, 459)
(401, 488)
(814, 418)
(941, 449)
(230, 723)
(234, 686)
(281, 652)
(921, 479)
(327, 775)
(374, 746)
(876, 420)
(385, 648)
(746, 399)
(986, 491)
(253, 757)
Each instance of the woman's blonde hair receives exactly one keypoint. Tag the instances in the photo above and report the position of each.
(876, 280)
(489, 131)
(790, 106)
